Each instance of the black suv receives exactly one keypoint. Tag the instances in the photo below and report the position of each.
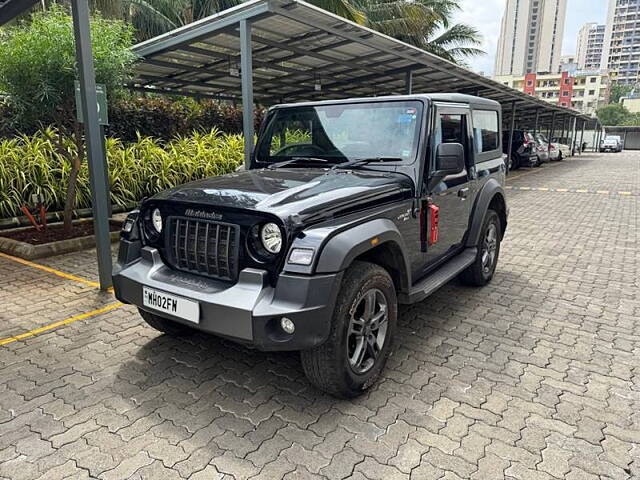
(347, 209)
(523, 150)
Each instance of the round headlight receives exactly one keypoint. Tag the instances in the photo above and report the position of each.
(156, 220)
(271, 237)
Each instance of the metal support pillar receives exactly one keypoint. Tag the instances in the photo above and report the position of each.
(574, 138)
(552, 128)
(408, 82)
(624, 139)
(246, 72)
(584, 122)
(598, 137)
(94, 140)
(535, 128)
(511, 129)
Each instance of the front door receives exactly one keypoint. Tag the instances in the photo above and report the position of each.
(452, 194)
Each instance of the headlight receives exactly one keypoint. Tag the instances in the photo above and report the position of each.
(271, 237)
(156, 220)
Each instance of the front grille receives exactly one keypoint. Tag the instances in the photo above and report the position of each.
(204, 247)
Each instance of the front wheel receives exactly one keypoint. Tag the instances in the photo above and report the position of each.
(481, 271)
(362, 330)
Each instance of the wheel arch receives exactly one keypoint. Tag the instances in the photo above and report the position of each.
(378, 241)
(492, 196)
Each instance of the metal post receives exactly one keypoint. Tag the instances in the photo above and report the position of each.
(598, 136)
(535, 129)
(246, 69)
(552, 128)
(624, 139)
(94, 140)
(511, 129)
(574, 138)
(584, 122)
(408, 82)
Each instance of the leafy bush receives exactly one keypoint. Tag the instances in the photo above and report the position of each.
(38, 70)
(34, 165)
(158, 117)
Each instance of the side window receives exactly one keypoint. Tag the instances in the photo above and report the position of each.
(485, 130)
(452, 128)
(449, 129)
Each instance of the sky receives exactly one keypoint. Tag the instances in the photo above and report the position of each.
(486, 16)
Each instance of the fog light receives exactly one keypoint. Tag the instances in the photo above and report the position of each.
(287, 325)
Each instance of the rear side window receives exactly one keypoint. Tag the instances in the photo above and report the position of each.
(485, 130)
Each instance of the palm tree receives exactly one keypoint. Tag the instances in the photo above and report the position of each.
(425, 24)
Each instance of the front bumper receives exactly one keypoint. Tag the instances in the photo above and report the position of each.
(248, 311)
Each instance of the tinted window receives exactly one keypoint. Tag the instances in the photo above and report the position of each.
(485, 130)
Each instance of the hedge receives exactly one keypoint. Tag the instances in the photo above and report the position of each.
(32, 165)
(157, 117)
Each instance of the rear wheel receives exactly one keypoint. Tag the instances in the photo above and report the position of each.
(560, 157)
(481, 271)
(164, 325)
(361, 336)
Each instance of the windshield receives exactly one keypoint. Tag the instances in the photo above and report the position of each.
(342, 133)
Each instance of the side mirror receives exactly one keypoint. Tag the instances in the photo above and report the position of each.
(449, 159)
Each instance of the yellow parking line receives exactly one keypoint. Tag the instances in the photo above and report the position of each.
(44, 268)
(624, 193)
(603, 192)
(54, 325)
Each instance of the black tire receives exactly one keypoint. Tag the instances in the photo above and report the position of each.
(329, 366)
(164, 325)
(560, 157)
(515, 163)
(480, 273)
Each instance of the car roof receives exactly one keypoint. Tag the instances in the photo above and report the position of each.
(471, 100)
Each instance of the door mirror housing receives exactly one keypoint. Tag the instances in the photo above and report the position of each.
(449, 159)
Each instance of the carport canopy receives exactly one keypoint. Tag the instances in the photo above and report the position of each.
(274, 51)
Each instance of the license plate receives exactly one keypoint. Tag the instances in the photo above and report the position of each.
(167, 303)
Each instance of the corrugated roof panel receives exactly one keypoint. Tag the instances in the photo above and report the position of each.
(296, 46)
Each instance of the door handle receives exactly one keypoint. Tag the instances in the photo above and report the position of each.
(463, 192)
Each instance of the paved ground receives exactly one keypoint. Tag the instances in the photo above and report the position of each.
(535, 376)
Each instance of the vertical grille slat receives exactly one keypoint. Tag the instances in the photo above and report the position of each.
(197, 247)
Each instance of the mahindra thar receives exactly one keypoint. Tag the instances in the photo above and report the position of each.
(346, 209)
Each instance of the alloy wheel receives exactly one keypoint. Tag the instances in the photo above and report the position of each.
(489, 248)
(368, 324)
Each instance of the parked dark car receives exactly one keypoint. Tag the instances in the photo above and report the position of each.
(523, 152)
(347, 208)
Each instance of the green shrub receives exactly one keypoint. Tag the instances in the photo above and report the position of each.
(33, 164)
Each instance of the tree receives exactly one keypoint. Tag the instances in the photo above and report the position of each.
(38, 70)
(614, 114)
(425, 24)
(619, 90)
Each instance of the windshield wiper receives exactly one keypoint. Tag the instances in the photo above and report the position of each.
(363, 161)
(297, 159)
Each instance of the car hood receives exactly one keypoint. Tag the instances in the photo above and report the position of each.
(304, 192)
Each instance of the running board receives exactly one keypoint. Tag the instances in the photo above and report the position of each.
(441, 276)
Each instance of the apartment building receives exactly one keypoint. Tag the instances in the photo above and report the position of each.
(584, 91)
(621, 52)
(590, 46)
(530, 37)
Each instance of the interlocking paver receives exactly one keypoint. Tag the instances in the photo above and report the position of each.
(535, 376)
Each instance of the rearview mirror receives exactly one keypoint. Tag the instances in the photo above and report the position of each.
(449, 159)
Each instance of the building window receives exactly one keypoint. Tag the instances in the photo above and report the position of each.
(592, 92)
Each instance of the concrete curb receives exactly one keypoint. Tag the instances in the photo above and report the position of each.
(31, 252)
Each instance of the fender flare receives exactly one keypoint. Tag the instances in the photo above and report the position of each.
(488, 192)
(343, 248)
